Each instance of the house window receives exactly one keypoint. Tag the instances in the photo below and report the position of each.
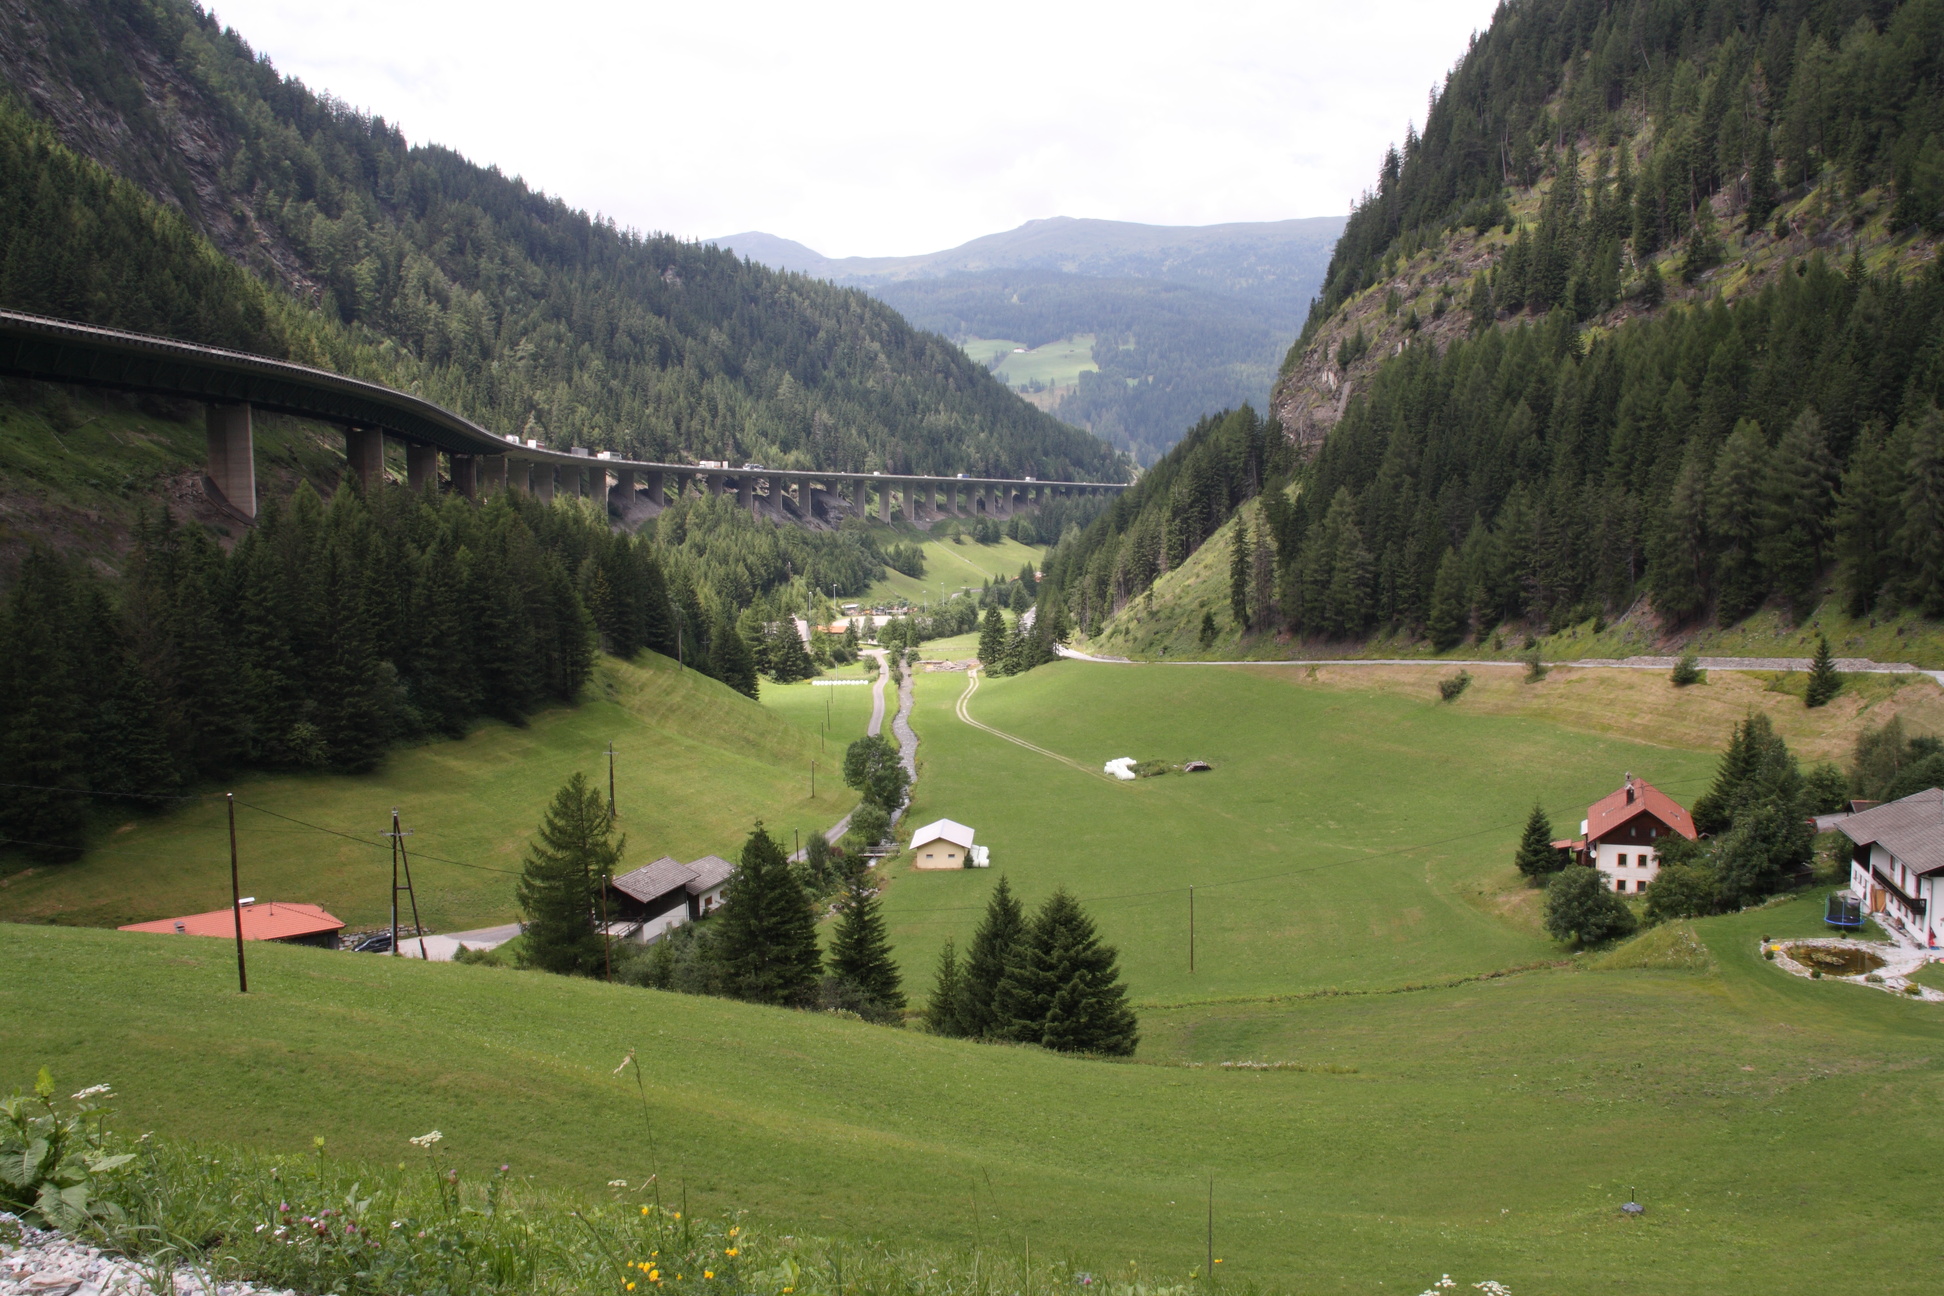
(1620, 884)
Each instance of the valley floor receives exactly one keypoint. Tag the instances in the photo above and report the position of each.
(1437, 1088)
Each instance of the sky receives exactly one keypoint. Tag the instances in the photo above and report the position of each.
(888, 129)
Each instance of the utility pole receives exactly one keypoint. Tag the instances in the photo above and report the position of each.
(1191, 931)
(1210, 1270)
(236, 900)
(813, 780)
(610, 756)
(400, 857)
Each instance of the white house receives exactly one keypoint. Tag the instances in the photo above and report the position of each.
(1899, 860)
(1620, 830)
(942, 844)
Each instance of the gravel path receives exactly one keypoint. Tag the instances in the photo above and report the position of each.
(907, 739)
(898, 727)
(44, 1263)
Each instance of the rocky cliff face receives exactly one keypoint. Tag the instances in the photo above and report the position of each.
(113, 90)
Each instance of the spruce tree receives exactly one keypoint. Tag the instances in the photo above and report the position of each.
(44, 811)
(567, 868)
(1795, 504)
(992, 638)
(986, 959)
(859, 952)
(1824, 681)
(1239, 574)
(942, 1009)
(1734, 523)
(1537, 858)
(1449, 616)
(1062, 987)
(734, 664)
(767, 931)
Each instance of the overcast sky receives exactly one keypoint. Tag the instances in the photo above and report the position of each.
(868, 128)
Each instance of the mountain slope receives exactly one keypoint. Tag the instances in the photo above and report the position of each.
(1185, 320)
(480, 292)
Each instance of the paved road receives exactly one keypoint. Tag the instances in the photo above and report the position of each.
(842, 826)
(445, 946)
(1847, 665)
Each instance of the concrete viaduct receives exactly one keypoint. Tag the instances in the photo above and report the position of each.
(233, 383)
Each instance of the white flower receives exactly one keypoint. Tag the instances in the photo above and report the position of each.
(94, 1091)
(617, 1183)
(426, 1140)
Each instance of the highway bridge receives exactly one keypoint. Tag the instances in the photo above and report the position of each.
(232, 384)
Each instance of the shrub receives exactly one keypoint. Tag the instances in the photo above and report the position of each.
(1536, 669)
(1580, 908)
(54, 1167)
(1687, 671)
(1683, 891)
(1450, 687)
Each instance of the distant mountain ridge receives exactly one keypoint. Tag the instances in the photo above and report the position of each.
(1188, 320)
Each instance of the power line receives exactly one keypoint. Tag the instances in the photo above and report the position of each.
(366, 841)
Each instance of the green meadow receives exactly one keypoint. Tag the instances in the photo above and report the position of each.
(1772, 1126)
(696, 764)
(1343, 839)
(1055, 364)
(953, 566)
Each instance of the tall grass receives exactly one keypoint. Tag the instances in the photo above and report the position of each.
(317, 1224)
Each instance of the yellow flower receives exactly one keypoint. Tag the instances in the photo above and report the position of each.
(1218, 1259)
(644, 1210)
(630, 1286)
(678, 1214)
(734, 1231)
(708, 1273)
(732, 1251)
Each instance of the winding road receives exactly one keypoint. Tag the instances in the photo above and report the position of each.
(900, 727)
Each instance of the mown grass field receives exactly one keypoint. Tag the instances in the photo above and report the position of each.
(950, 567)
(1056, 364)
(697, 764)
(1775, 1128)
(1348, 836)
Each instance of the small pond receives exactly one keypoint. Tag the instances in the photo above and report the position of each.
(1834, 961)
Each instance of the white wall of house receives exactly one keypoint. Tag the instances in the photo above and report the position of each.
(662, 923)
(1879, 899)
(1626, 866)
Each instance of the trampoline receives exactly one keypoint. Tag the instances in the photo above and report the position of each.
(1845, 911)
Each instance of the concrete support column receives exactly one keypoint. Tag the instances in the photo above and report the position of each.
(232, 456)
(914, 494)
(492, 474)
(421, 465)
(651, 484)
(364, 452)
(715, 483)
(884, 500)
(543, 482)
(745, 492)
(860, 499)
(623, 494)
(465, 475)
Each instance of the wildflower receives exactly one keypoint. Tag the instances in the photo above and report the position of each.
(617, 1183)
(644, 1210)
(504, 1168)
(94, 1091)
(426, 1140)
(1218, 1259)
(708, 1273)
(318, 1142)
(261, 1227)
(630, 1286)
(398, 1224)
(736, 1230)
(733, 1251)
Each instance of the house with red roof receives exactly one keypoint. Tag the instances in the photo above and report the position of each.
(1621, 830)
(271, 920)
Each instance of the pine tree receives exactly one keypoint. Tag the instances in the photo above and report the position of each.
(1922, 537)
(985, 965)
(1734, 524)
(1762, 189)
(992, 638)
(1239, 574)
(942, 1009)
(859, 952)
(1450, 617)
(567, 869)
(734, 664)
(1868, 519)
(766, 929)
(1062, 986)
(1537, 858)
(44, 812)
(1795, 502)
(1824, 682)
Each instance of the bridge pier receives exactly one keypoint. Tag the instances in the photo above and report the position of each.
(492, 474)
(364, 453)
(623, 491)
(745, 492)
(715, 483)
(465, 475)
(884, 501)
(543, 482)
(421, 465)
(232, 456)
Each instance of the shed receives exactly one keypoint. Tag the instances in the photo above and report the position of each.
(941, 844)
(667, 893)
(271, 920)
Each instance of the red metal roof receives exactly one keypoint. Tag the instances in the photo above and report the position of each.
(269, 920)
(1634, 797)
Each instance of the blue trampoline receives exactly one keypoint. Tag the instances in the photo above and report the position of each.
(1845, 911)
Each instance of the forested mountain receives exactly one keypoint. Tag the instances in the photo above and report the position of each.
(1186, 320)
(411, 265)
(1651, 309)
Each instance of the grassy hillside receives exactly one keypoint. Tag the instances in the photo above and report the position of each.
(697, 764)
(1486, 1130)
(952, 567)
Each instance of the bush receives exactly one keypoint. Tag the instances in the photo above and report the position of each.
(869, 825)
(55, 1167)
(1683, 891)
(1450, 687)
(1687, 671)
(1580, 909)
(1536, 670)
